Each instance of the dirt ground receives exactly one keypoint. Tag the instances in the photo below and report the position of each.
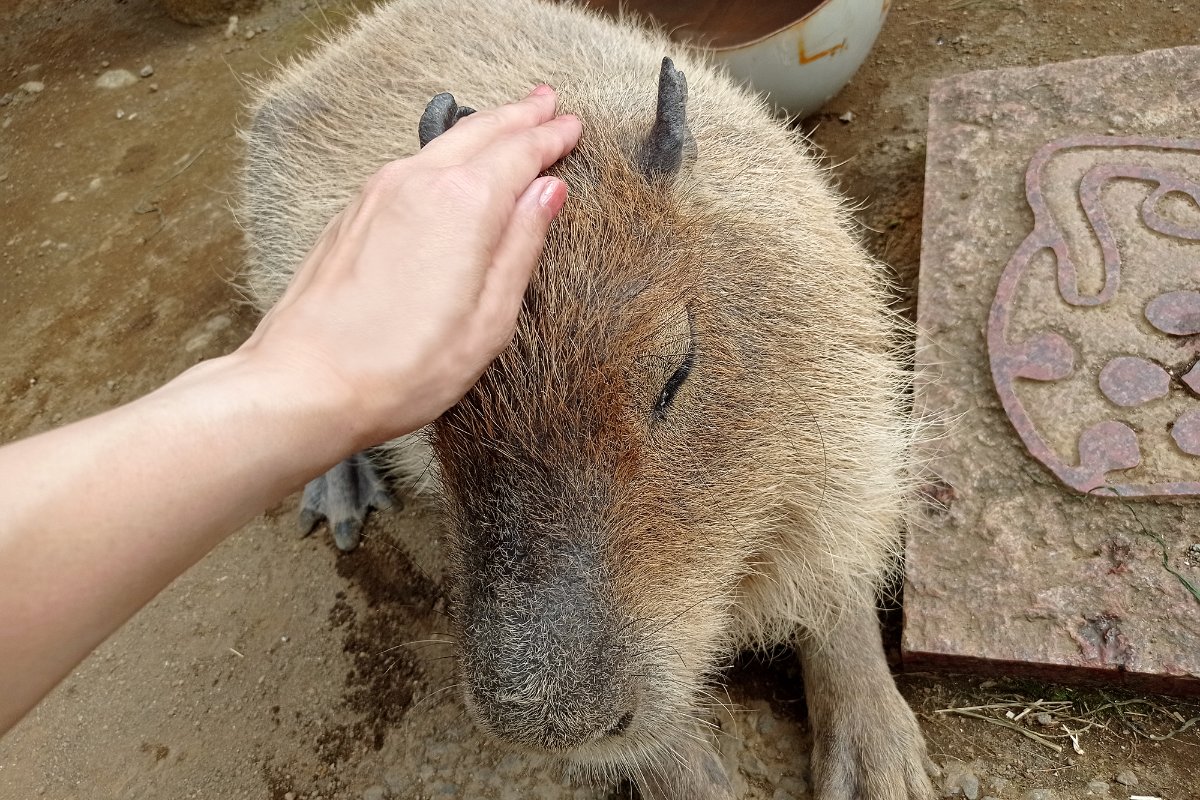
(279, 669)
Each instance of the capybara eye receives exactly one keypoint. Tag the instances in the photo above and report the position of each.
(672, 385)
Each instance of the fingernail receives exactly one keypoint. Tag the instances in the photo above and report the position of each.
(542, 89)
(551, 199)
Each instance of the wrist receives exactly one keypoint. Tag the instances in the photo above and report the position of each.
(317, 415)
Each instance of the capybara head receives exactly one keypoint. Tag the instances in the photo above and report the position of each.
(594, 475)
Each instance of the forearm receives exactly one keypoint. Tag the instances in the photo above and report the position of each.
(154, 485)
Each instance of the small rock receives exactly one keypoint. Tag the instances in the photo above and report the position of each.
(374, 793)
(60, 197)
(116, 79)
(6, 98)
(231, 27)
(1039, 794)
(1194, 549)
(753, 766)
(120, 114)
(154, 87)
(94, 184)
(847, 118)
(146, 71)
(32, 87)
(249, 34)
(104, 64)
(960, 781)
(1127, 778)
(797, 787)
(1097, 789)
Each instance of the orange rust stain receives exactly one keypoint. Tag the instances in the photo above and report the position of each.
(805, 58)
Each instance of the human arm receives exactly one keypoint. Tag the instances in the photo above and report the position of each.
(102, 514)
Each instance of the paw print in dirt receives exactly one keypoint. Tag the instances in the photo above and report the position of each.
(1094, 333)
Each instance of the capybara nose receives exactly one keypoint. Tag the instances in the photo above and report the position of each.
(543, 659)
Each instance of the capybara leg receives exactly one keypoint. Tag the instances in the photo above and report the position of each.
(866, 742)
(342, 497)
(691, 772)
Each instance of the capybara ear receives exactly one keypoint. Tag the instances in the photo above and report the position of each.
(440, 115)
(669, 141)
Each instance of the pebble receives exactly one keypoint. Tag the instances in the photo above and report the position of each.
(1039, 794)
(61, 196)
(154, 87)
(146, 71)
(847, 118)
(1127, 778)
(7, 98)
(32, 87)
(116, 79)
(374, 793)
(960, 781)
(1097, 788)
(793, 786)
(120, 114)
(231, 27)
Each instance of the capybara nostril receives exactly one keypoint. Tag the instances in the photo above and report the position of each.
(622, 724)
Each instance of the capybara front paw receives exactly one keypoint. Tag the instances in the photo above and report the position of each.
(872, 750)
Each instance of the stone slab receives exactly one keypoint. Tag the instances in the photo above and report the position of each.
(1059, 335)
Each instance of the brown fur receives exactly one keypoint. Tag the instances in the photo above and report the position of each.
(609, 558)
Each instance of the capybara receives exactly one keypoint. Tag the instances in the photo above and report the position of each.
(696, 442)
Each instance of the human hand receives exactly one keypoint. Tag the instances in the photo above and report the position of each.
(414, 288)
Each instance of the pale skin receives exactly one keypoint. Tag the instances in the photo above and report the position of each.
(405, 299)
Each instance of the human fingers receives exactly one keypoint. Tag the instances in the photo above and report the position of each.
(473, 132)
(509, 164)
(517, 253)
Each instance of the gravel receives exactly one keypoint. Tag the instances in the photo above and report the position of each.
(1127, 778)
(960, 781)
(116, 79)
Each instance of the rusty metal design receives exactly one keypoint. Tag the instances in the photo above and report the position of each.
(1176, 313)
(1130, 381)
(1186, 432)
